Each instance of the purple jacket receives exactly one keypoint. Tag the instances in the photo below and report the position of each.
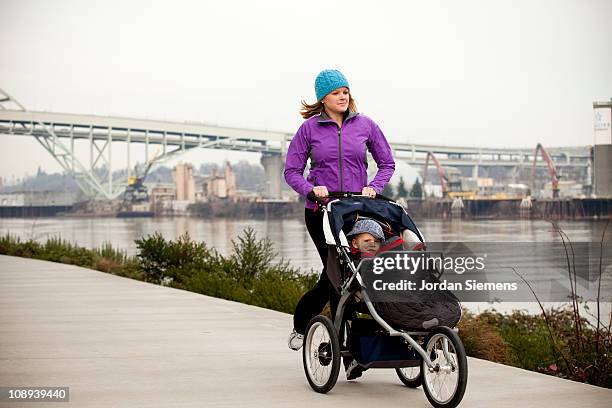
(338, 156)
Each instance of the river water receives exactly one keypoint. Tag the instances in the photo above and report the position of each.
(290, 238)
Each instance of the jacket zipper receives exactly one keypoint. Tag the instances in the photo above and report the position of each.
(340, 159)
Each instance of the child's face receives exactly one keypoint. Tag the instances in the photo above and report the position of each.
(366, 242)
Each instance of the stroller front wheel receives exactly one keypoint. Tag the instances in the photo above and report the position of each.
(445, 383)
(410, 376)
(321, 354)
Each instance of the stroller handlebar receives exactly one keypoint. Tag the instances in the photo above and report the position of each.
(343, 194)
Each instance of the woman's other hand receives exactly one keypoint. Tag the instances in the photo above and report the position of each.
(368, 191)
(320, 191)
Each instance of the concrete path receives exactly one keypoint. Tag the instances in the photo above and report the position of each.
(118, 342)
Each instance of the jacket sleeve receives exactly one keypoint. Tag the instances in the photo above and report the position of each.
(297, 156)
(381, 152)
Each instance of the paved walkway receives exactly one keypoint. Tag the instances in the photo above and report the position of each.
(118, 342)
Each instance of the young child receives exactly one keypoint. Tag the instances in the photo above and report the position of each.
(366, 237)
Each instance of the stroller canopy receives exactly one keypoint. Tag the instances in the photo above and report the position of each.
(343, 213)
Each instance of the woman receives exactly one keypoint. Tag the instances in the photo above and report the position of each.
(336, 139)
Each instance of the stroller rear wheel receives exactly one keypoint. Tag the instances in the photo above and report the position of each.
(410, 376)
(445, 383)
(321, 354)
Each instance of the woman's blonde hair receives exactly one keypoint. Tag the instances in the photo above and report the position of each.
(316, 108)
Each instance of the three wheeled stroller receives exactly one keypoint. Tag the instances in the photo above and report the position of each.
(378, 334)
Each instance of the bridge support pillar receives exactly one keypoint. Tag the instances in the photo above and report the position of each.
(273, 165)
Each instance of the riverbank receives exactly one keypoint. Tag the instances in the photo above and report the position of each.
(557, 342)
(433, 208)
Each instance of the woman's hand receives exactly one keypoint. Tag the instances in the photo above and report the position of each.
(368, 191)
(320, 191)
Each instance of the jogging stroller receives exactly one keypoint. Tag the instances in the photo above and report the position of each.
(417, 339)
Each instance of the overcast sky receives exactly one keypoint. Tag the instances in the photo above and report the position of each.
(487, 73)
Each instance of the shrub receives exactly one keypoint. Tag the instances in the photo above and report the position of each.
(249, 274)
(550, 345)
(250, 257)
(481, 339)
(160, 258)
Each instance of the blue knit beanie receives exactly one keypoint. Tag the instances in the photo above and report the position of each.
(369, 226)
(327, 81)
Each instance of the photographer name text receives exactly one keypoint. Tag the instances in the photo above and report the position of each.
(471, 284)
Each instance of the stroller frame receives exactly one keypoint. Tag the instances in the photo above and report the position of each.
(346, 293)
(438, 351)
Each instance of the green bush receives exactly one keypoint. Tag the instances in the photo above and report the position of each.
(105, 259)
(58, 250)
(250, 257)
(549, 344)
(249, 274)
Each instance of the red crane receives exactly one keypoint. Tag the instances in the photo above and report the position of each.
(551, 170)
(441, 175)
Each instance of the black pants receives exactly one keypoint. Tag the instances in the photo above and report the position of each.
(315, 299)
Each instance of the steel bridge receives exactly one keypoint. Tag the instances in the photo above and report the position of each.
(58, 133)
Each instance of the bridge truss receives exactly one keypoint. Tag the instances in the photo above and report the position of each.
(57, 133)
